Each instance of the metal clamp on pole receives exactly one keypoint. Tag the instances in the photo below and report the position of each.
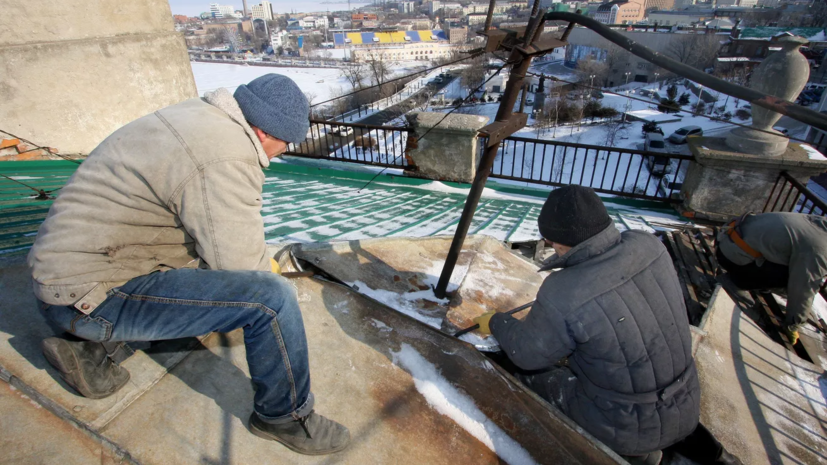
(505, 124)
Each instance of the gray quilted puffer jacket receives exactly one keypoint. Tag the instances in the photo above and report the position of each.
(617, 312)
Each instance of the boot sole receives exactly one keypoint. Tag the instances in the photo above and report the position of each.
(70, 370)
(268, 436)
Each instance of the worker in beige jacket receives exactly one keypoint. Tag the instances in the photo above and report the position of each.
(159, 235)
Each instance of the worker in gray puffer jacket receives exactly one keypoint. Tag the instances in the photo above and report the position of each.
(616, 311)
(777, 250)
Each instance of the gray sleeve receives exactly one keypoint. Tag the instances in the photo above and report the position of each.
(537, 342)
(807, 270)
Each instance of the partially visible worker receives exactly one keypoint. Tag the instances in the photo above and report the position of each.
(616, 312)
(777, 250)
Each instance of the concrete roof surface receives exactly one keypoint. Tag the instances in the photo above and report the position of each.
(189, 401)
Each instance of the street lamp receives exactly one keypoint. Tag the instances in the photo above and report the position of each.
(627, 73)
(656, 80)
(591, 86)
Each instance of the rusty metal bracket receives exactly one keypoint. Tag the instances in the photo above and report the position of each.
(499, 130)
(495, 39)
(541, 47)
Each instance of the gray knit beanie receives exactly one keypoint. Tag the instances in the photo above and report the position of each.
(572, 214)
(276, 105)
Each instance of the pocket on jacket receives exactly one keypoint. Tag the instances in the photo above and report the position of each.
(89, 327)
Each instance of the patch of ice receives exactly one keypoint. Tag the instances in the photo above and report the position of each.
(447, 400)
(488, 344)
(402, 303)
(380, 325)
(435, 270)
(487, 193)
(23, 178)
(488, 282)
(813, 153)
(341, 306)
(820, 307)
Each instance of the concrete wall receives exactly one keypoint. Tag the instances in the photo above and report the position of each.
(657, 41)
(74, 71)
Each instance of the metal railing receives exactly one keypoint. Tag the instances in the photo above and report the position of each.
(609, 170)
(355, 143)
(789, 195)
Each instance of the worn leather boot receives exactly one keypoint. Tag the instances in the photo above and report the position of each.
(85, 366)
(310, 435)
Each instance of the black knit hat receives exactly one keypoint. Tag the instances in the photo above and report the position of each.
(572, 214)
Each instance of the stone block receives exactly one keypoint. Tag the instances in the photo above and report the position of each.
(27, 22)
(113, 81)
(722, 183)
(448, 151)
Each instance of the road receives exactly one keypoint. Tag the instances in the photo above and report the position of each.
(391, 113)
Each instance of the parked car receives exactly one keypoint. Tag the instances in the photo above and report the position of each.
(653, 142)
(782, 130)
(342, 131)
(668, 184)
(680, 136)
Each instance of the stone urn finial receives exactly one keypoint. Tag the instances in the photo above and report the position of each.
(783, 74)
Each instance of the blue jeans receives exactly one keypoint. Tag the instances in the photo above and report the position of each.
(188, 303)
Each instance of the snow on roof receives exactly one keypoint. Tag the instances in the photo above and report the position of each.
(812, 153)
(653, 115)
(724, 59)
(313, 204)
(453, 403)
(813, 34)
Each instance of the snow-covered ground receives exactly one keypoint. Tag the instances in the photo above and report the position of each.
(322, 83)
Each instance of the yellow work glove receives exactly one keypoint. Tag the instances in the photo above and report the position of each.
(792, 334)
(483, 321)
(274, 266)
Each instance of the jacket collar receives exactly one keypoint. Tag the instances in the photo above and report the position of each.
(224, 101)
(591, 247)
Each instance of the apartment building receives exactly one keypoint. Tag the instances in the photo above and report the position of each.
(264, 11)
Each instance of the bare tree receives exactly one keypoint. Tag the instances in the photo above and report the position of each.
(231, 37)
(355, 75)
(616, 58)
(696, 50)
(591, 67)
(474, 74)
(378, 68)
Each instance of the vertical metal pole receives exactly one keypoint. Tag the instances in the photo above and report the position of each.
(504, 112)
(490, 16)
(523, 98)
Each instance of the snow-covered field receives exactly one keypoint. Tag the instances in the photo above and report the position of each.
(320, 82)
(323, 83)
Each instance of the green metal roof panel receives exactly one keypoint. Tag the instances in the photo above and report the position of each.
(815, 34)
(312, 204)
